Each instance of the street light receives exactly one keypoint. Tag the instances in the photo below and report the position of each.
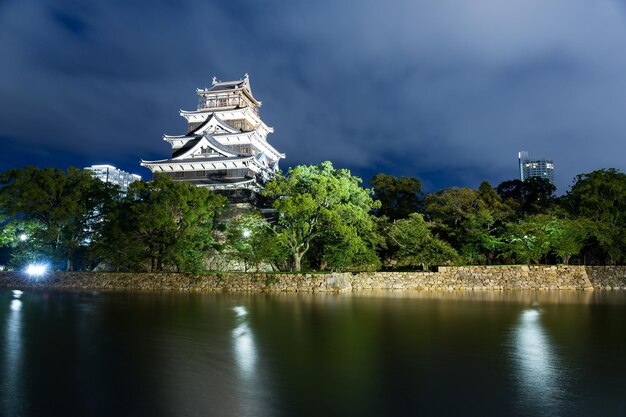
(36, 270)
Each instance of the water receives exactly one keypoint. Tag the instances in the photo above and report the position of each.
(426, 354)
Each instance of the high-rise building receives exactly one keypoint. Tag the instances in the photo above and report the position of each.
(112, 175)
(225, 148)
(540, 168)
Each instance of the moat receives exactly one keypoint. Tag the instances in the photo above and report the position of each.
(483, 353)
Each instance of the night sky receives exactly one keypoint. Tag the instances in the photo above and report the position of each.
(447, 91)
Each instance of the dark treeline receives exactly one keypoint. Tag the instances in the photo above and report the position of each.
(323, 219)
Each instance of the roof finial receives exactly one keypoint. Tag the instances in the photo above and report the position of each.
(214, 80)
(245, 76)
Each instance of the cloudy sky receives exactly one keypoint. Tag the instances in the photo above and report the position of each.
(447, 91)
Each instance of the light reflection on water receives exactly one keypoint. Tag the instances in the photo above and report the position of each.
(481, 354)
(243, 341)
(11, 392)
(254, 394)
(539, 371)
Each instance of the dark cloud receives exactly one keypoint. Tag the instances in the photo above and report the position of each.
(446, 91)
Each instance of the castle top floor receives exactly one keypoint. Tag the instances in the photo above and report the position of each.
(227, 95)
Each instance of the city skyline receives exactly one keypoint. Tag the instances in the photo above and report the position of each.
(445, 94)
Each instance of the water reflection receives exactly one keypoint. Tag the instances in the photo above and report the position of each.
(13, 357)
(245, 351)
(255, 397)
(16, 305)
(538, 369)
(174, 354)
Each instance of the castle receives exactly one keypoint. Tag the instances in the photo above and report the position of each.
(225, 148)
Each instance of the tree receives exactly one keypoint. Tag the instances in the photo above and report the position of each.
(398, 197)
(600, 196)
(20, 236)
(532, 196)
(566, 236)
(169, 224)
(528, 240)
(349, 245)
(493, 202)
(416, 246)
(61, 207)
(250, 240)
(316, 201)
(461, 218)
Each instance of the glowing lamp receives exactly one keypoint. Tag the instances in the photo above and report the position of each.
(36, 270)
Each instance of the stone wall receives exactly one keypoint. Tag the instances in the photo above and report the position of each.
(446, 279)
(516, 277)
(607, 277)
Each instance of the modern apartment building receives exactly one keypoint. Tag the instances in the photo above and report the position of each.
(529, 168)
(112, 175)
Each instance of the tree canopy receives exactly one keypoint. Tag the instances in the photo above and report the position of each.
(320, 201)
(532, 196)
(398, 197)
(322, 218)
(160, 225)
(57, 210)
(416, 245)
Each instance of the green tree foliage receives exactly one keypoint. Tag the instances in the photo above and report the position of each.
(532, 196)
(499, 211)
(465, 221)
(323, 221)
(60, 208)
(161, 225)
(398, 197)
(600, 197)
(416, 246)
(251, 241)
(322, 202)
(539, 235)
(567, 236)
(21, 236)
(528, 240)
(349, 245)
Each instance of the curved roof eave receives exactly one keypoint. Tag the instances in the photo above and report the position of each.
(204, 140)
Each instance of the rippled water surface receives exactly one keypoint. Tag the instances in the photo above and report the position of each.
(375, 354)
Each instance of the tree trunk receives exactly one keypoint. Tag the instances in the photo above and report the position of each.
(297, 260)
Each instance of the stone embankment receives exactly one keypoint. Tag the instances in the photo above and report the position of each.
(517, 277)
(607, 277)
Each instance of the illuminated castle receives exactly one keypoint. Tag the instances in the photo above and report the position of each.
(225, 148)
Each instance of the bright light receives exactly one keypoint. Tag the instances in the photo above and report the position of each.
(36, 270)
(538, 370)
(240, 311)
(246, 233)
(23, 237)
(245, 350)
